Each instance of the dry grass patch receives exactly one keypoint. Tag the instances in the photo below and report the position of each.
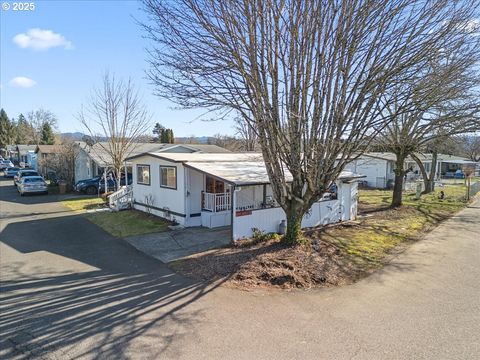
(81, 204)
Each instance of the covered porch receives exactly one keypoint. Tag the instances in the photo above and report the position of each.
(238, 194)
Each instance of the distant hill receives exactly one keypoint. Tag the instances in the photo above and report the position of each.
(189, 139)
(77, 136)
(73, 135)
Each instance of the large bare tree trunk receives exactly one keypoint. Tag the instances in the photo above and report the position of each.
(433, 169)
(399, 178)
(294, 222)
(428, 179)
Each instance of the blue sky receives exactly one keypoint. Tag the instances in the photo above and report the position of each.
(76, 42)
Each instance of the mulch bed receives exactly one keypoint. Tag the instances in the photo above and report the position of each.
(271, 264)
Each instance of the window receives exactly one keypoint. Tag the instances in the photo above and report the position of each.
(214, 186)
(168, 177)
(143, 174)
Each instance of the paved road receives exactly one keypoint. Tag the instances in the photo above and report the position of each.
(71, 291)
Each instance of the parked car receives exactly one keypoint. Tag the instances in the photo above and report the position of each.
(97, 184)
(5, 164)
(23, 173)
(459, 174)
(10, 172)
(32, 185)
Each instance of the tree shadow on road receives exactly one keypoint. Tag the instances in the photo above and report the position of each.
(128, 304)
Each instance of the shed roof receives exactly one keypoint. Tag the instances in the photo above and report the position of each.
(422, 156)
(23, 149)
(234, 168)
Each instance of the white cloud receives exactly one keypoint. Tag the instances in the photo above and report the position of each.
(22, 81)
(40, 39)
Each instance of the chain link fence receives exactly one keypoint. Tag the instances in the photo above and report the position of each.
(474, 189)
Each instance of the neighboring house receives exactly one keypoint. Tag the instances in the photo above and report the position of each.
(446, 167)
(9, 152)
(25, 154)
(47, 155)
(215, 190)
(91, 161)
(378, 167)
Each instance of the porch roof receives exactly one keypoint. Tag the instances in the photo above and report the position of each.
(234, 168)
(461, 162)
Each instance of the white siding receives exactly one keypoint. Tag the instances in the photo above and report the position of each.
(170, 201)
(266, 220)
(82, 166)
(321, 213)
(375, 171)
(217, 219)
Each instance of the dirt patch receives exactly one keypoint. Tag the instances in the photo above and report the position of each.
(272, 264)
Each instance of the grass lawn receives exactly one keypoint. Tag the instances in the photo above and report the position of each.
(128, 222)
(81, 204)
(373, 237)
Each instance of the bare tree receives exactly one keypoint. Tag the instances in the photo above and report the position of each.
(227, 142)
(469, 146)
(61, 161)
(307, 75)
(247, 134)
(36, 120)
(439, 101)
(115, 112)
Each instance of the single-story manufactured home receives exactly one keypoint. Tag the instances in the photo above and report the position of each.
(91, 160)
(215, 190)
(378, 167)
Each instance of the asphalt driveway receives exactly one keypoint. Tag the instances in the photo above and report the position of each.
(71, 291)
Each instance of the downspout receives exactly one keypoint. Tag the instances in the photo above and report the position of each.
(233, 192)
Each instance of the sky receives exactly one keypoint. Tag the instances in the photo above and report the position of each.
(52, 57)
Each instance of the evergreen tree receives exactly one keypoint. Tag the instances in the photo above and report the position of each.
(170, 138)
(158, 130)
(6, 128)
(163, 135)
(47, 136)
(23, 131)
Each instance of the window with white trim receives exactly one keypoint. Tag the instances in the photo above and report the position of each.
(143, 174)
(168, 177)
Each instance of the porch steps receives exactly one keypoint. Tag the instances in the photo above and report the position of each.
(121, 199)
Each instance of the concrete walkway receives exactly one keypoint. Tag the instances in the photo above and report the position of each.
(173, 245)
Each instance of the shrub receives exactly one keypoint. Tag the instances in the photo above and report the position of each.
(262, 236)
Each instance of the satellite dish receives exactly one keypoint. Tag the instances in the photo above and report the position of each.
(88, 140)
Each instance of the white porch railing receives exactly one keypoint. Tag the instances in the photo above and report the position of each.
(216, 202)
(121, 199)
